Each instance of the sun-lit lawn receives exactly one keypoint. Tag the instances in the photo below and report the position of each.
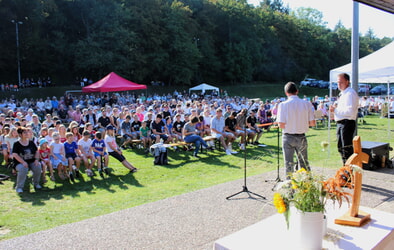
(62, 202)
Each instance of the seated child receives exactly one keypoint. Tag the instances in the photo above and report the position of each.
(145, 136)
(58, 157)
(86, 152)
(98, 147)
(45, 152)
(71, 150)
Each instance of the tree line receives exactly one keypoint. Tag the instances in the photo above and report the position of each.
(179, 42)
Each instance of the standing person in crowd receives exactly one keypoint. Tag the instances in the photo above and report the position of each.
(114, 150)
(294, 117)
(26, 157)
(190, 135)
(345, 114)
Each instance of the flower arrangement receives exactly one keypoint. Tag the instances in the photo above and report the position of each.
(308, 192)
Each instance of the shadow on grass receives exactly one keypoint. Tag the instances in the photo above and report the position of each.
(87, 185)
(204, 157)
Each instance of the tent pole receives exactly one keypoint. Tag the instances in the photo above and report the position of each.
(388, 111)
(355, 46)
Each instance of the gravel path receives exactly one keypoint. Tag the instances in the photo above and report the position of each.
(189, 221)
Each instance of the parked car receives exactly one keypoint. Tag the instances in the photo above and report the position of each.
(378, 90)
(307, 81)
(334, 86)
(323, 84)
(314, 84)
(363, 88)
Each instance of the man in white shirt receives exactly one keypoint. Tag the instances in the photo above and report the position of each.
(345, 114)
(295, 116)
(217, 131)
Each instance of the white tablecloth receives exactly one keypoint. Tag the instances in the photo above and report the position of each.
(271, 233)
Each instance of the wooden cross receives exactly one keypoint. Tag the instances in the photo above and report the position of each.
(355, 217)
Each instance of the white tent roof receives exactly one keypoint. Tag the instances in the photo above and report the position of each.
(377, 67)
(203, 87)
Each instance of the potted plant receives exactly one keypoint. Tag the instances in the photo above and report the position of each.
(305, 195)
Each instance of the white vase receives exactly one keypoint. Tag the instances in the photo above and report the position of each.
(307, 229)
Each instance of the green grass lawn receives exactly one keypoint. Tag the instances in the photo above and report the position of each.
(62, 202)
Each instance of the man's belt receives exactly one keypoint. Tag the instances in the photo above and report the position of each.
(295, 134)
(344, 121)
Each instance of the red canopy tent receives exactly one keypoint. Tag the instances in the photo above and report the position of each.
(112, 83)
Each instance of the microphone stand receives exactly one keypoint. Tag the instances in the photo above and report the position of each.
(244, 187)
(278, 165)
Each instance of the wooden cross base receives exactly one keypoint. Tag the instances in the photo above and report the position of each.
(355, 217)
(360, 219)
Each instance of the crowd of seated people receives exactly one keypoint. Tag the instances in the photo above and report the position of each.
(73, 131)
(67, 133)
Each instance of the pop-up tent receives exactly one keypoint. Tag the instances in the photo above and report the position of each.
(377, 67)
(203, 87)
(112, 83)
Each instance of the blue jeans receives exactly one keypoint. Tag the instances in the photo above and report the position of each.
(22, 174)
(294, 143)
(197, 140)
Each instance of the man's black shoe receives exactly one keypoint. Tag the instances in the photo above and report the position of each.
(72, 177)
(106, 171)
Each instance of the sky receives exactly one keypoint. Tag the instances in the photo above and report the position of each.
(381, 22)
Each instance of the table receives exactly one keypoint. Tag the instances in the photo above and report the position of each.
(271, 233)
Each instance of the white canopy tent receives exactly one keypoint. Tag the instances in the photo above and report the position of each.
(377, 67)
(203, 87)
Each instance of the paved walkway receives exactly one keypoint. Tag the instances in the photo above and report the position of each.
(189, 221)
